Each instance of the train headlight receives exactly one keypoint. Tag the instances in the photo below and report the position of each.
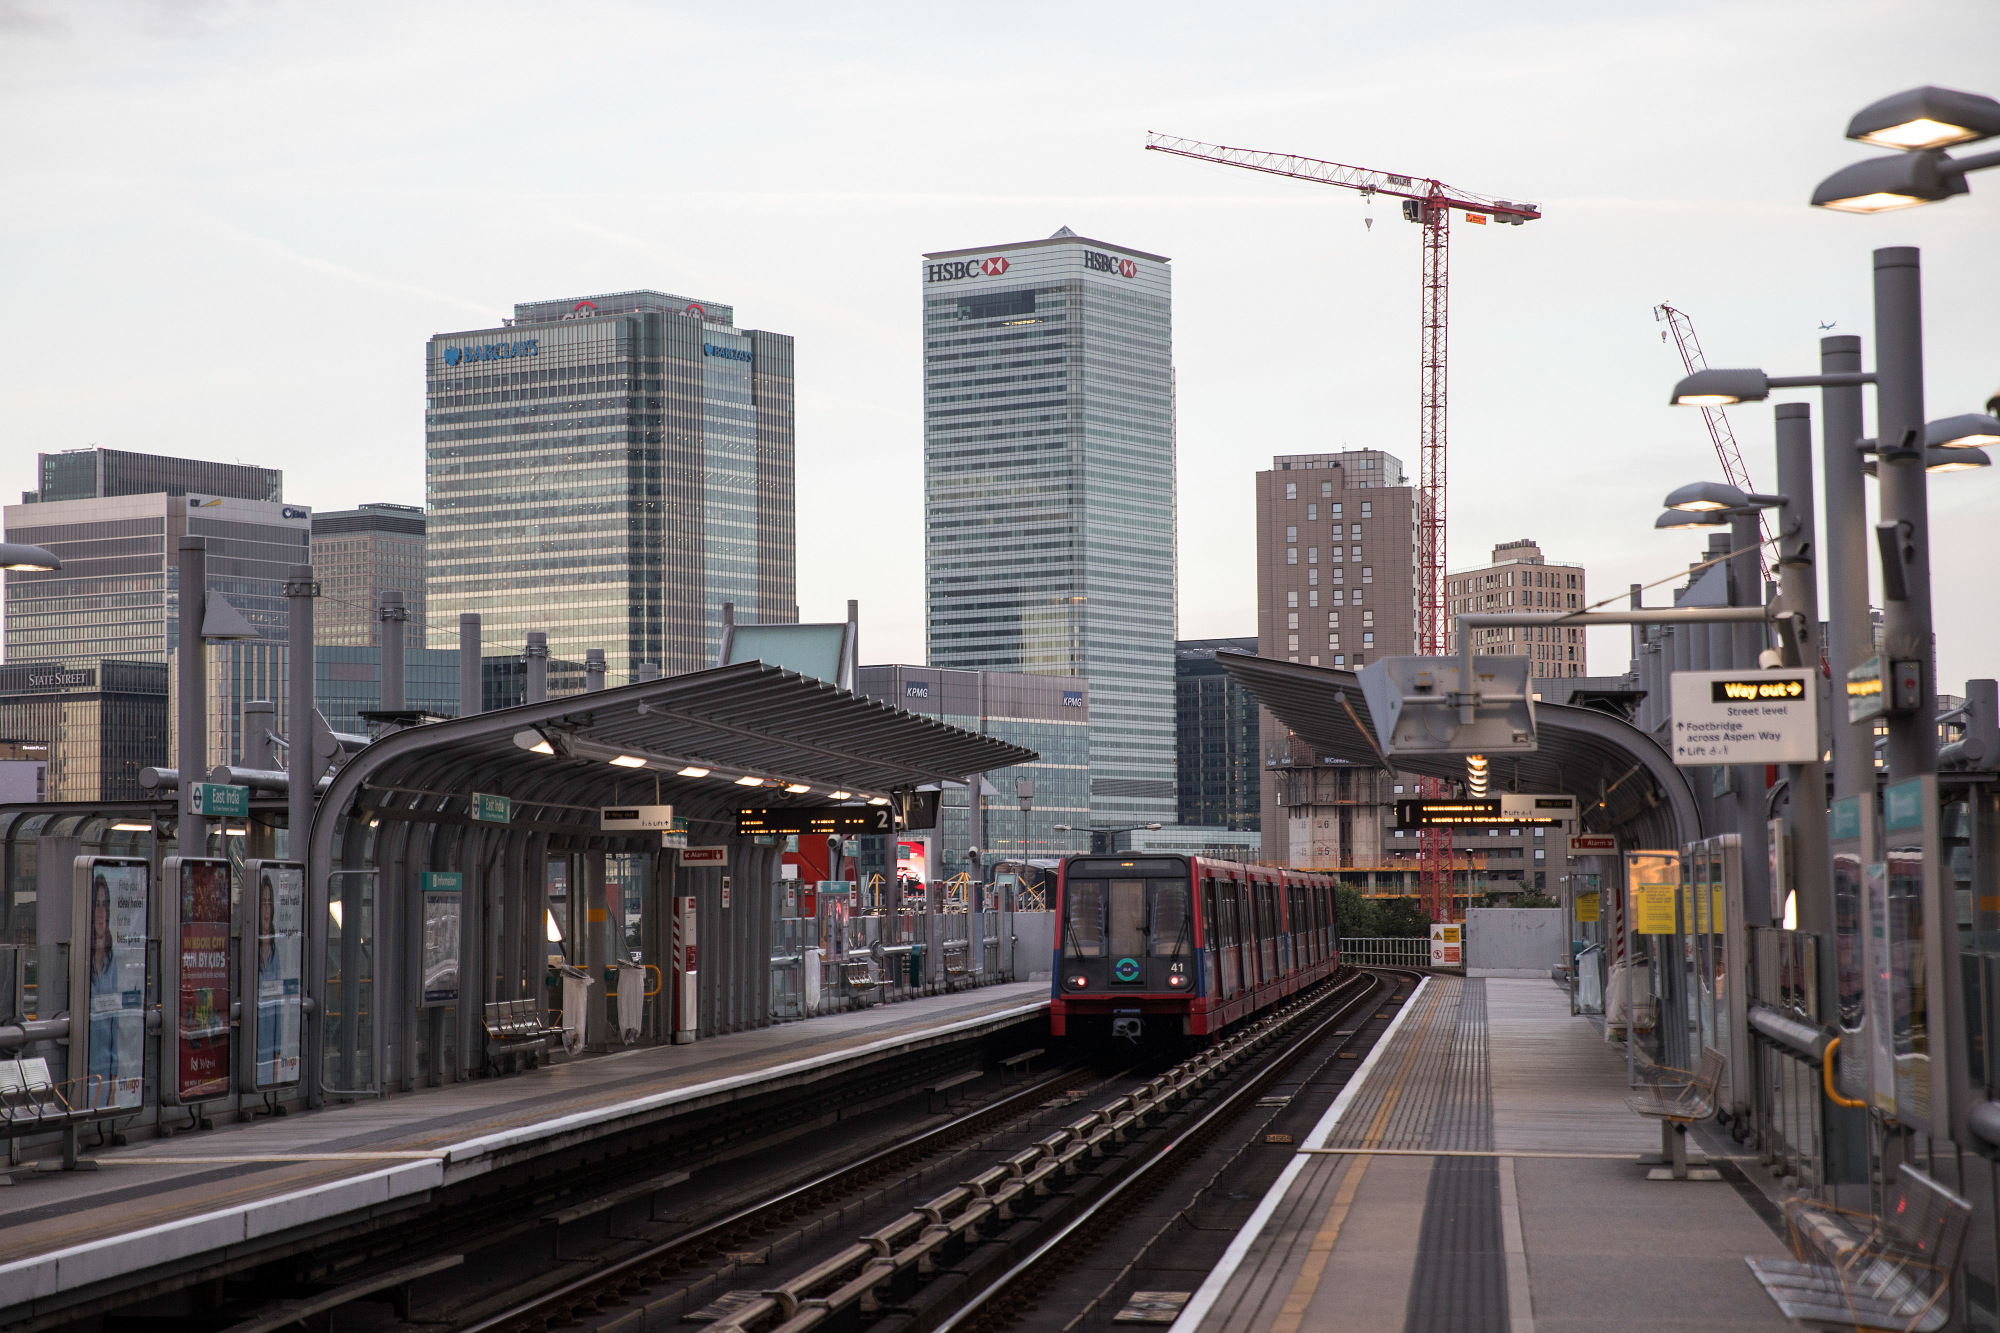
(1078, 983)
(1176, 980)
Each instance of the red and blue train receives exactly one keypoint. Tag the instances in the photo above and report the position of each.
(1153, 945)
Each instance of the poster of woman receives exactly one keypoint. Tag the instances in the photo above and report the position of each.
(112, 981)
(276, 967)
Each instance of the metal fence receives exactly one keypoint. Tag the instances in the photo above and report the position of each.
(1402, 951)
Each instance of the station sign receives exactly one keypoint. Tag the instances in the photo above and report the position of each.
(490, 809)
(1475, 811)
(216, 800)
(705, 856)
(1745, 717)
(1593, 842)
(1864, 691)
(1530, 806)
(825, 820)
(635, 818)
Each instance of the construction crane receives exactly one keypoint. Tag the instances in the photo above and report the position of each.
(1724, 438)
(1429, 203)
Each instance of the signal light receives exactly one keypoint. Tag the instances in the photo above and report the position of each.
(1175, 980)
(1079, 982)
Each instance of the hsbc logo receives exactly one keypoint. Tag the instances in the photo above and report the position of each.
(990, 267)
(1099, 262)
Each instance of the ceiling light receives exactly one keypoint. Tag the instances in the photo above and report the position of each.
(534, 742)
(878, 800)
(749, 782)
(839, 795)
(629, 761)
(797, 788)
(129, 827)
(691, 771)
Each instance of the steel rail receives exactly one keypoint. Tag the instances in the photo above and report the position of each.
(646, 1266)
(1189, 1137)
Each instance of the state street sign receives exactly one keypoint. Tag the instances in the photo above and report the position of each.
(1745, 717)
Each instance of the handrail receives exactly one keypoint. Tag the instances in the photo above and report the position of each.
(1826, 1080)
(1801, 1038)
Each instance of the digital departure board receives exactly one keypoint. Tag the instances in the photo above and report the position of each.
(825, 820)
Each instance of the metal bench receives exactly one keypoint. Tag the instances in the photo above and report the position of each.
(31, 1102)
(1861, 1271)
(1677, 1100)
(516, 1030)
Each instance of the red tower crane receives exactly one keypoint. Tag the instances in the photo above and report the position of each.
(1429, 203)
(1719, 433)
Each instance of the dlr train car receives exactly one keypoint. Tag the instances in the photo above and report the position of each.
(1160, 945)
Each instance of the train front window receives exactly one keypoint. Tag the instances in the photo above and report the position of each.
(1083, 936)
(1172, 933)
(1128, 918)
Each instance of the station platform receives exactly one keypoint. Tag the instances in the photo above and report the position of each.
(174, 1205)
(1481, 1172)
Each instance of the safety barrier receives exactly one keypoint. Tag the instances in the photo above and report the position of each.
(1392, 951)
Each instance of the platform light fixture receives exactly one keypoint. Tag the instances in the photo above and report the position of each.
(1919, 119)
(692, 771)
(747, 781)
(797, 788)
(839, 795)
(128, 826)
(27, 559)
(878, 800)
(1969, 430)
(629, 761)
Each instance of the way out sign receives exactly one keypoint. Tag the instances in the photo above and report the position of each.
(1745, 717)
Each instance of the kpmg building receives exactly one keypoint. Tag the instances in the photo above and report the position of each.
(1049, 489)
(610, 469)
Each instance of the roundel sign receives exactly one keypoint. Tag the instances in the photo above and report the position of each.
(1126, 969)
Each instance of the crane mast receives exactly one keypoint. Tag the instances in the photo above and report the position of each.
(1719, 433)
(1427, 202)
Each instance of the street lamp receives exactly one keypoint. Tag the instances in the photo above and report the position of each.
(27, 559)
(1922, 122)
(1944, 460)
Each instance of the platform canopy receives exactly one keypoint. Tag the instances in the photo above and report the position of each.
(1623, 781)
(705, 743)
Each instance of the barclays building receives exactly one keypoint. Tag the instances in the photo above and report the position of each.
(611, 470)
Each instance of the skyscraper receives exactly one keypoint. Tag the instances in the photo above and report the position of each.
(91, 473)
(1520, 578)
(610, 469)
(1049, 489)
(359, 554)
(1216, 743)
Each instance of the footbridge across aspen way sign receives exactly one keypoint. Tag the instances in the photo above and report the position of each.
(1745, 717)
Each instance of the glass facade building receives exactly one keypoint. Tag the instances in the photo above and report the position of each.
(610, 470)
(83, 474)
(101, 721)
(1215, 738)
(357, 555)
(1046, 714)
(347, 681)
(118, 596)
(1049, 489)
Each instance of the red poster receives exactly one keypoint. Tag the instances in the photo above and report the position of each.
(202, 1066)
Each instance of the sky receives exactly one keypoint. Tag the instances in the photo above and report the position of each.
(231, 226)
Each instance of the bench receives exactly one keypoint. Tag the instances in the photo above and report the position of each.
(945, 1085)
(1857, 1270)
(515, 1030)
(859, 973)
(31, 1102)
(956, 955)
(1677, 1101)
(1019, 1063)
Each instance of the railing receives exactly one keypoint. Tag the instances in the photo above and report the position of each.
(1786, 1101)
(1392, 951)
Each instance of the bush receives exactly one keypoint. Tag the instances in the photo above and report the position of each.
(1356, 914)
(1401, 917)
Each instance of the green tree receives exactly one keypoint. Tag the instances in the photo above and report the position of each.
(1530, 898)
(1355, 912)
(1403, 917)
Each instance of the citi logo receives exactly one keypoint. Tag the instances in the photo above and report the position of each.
(991, 267)
(583, 310)
(1099, 262)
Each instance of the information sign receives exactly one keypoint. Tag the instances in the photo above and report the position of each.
(443, 891)
(641, 818)
(272, 975)
(784, 821)
(705, 856)
(1593, 842)
(1528, 805)
(1744, 717)
(196, 1039)
(1587, 906)
(490, 809)
(215, 800)
(107, 979)
(1653, 907)
(1864, 691)
(1446, 947)
(1420, 814)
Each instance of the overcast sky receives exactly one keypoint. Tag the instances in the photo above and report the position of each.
(230, 227)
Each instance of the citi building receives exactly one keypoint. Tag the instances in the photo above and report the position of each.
(1049, 489)
(610, 469)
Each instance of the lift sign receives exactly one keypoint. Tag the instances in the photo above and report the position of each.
(1744, 717)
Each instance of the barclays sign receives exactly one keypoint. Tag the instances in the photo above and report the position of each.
(490, 352)
(727, 353)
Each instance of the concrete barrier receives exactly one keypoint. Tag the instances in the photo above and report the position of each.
(1514, 941)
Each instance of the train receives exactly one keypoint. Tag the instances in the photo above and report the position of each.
(1154, 946)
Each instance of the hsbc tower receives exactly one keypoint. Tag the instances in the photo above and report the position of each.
(1049, 492)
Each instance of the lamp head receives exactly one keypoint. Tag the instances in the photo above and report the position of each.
(1720, 388)
(1884, 183)
(1675, 520)
(27, 559)
(1924, 118)
(1936, 459)
(1702, 496)
(1970, 430)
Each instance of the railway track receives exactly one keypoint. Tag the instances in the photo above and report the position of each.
(978, 1255)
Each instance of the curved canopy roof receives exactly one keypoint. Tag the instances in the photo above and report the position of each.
(804, 739)
(1623, 781)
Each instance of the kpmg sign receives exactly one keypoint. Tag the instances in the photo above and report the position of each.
(1072, 699)
(727, 353)
(490, 352)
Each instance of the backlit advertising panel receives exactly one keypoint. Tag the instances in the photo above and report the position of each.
(272, 974)
(196, 1036)
(108, 982)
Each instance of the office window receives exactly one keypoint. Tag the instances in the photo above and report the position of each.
(1313, 661)
(1357, 553)
(1291, 555)
(1338, 575)
(1291, 599)
(1335, 554)
(1367, 572)
(1312, 576)
(1292, 644)
(1339, 597)
(1312, 513)
(1333, 511)
(1291, 534)
(1312, 599)
(1367, 617)
(1333, 620)
(1326, 488)
(1340, 661)
(1367, 509)
(1291, 490)
(1292, 620)
(1332, 641)
(1312, 555)
(1355, 531)
(1368, 641)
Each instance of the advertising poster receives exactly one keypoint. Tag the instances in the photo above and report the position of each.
(442, 892)
(201, 1048)
(110, 983)
(275, 974)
